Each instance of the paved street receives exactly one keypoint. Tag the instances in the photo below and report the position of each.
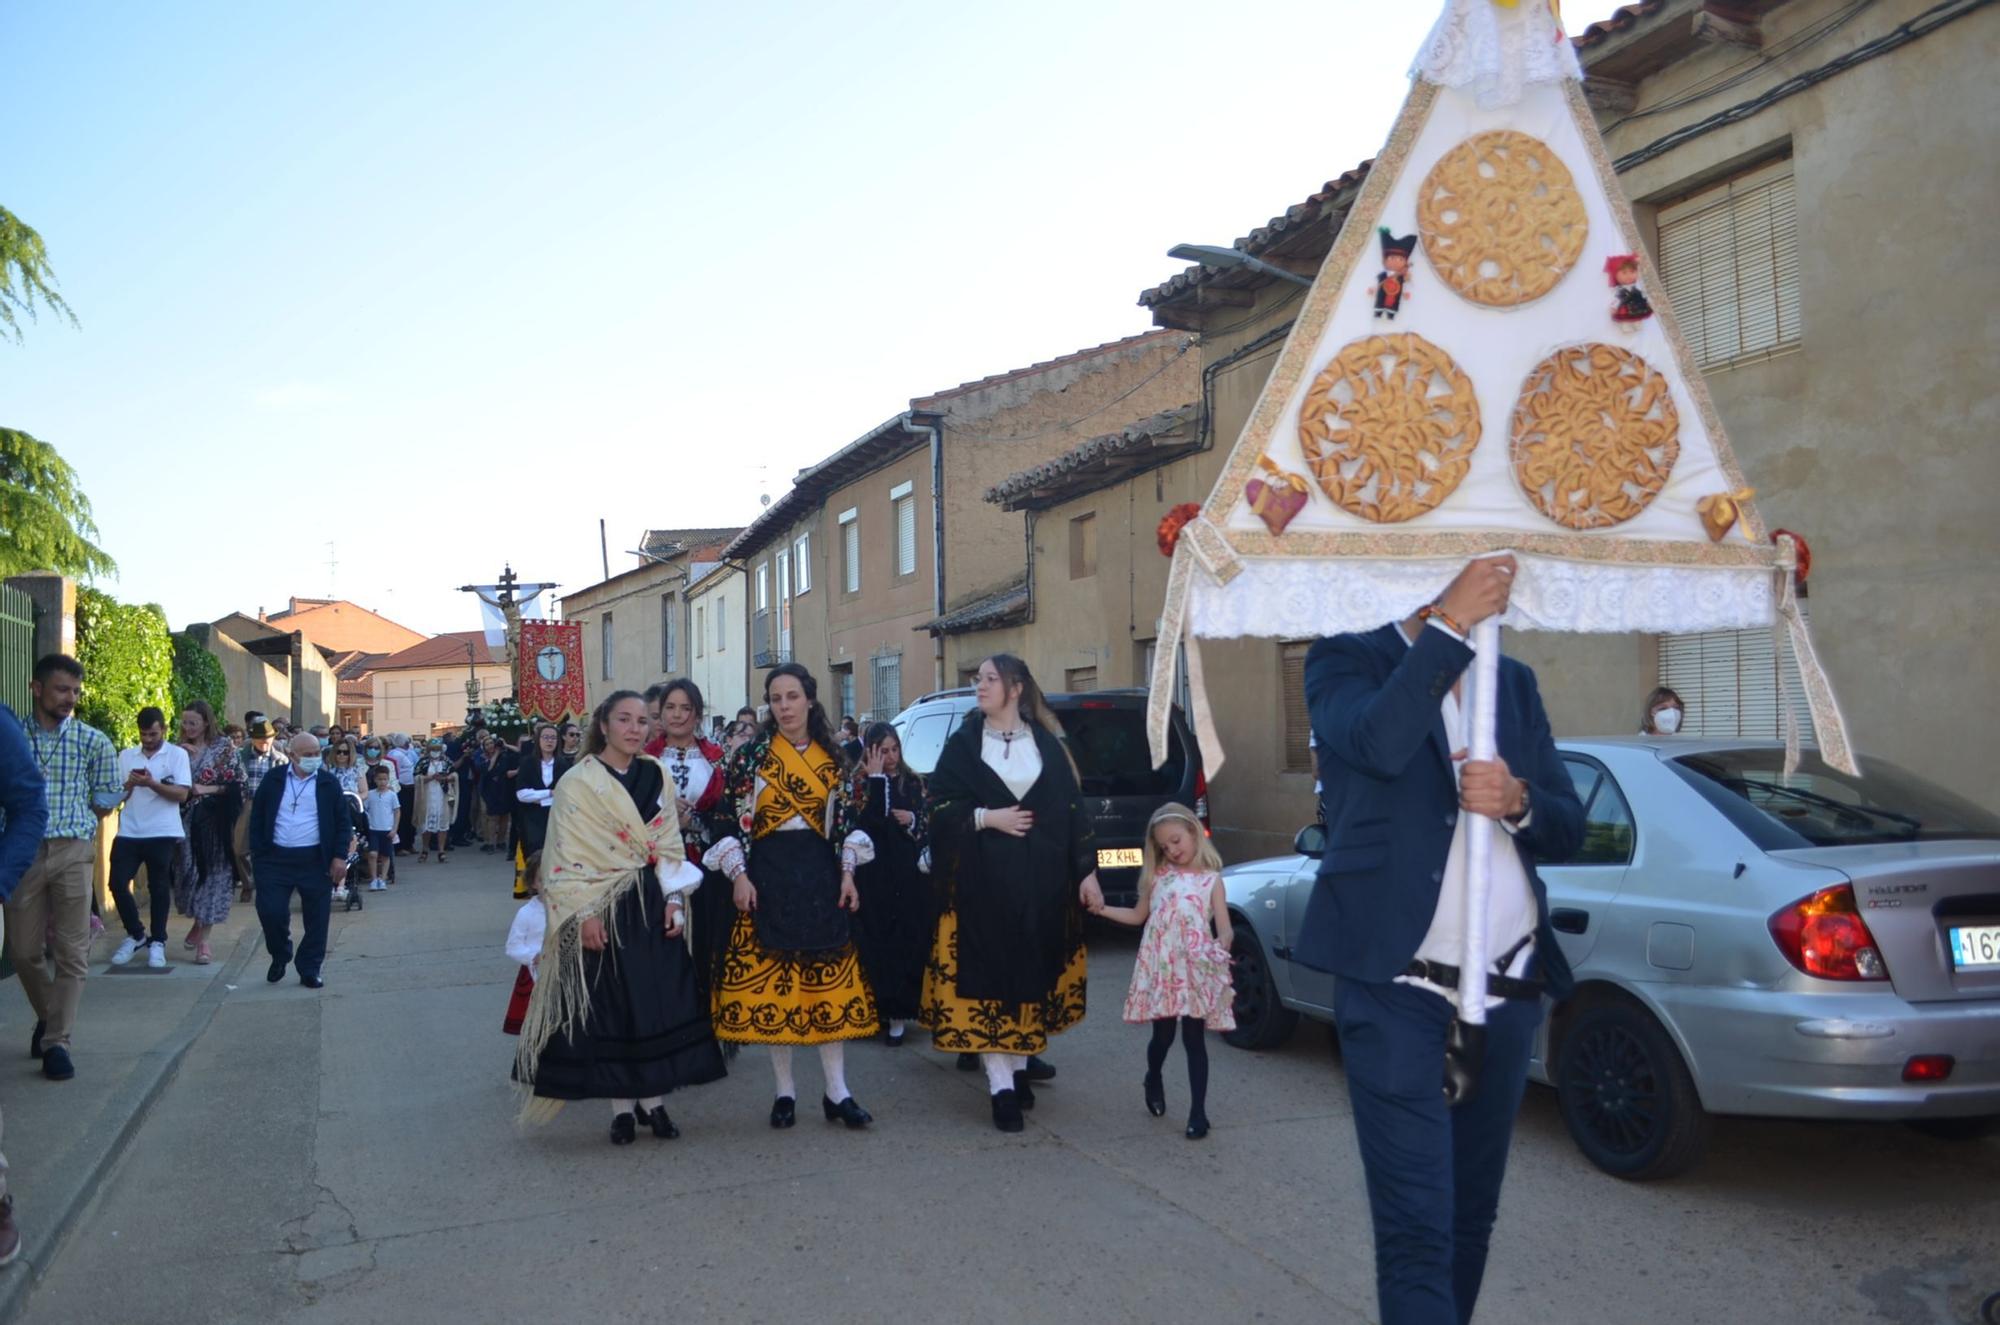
(351, 1156)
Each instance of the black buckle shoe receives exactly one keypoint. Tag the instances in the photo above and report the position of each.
(1023, 1092)
(847, 1111)
(624, 1129)
(1156, 1095)
(1197, 1126)
(784, 1111)
(1007, 1112)
(663, 1126)
(1039, 1070)
(312, 982)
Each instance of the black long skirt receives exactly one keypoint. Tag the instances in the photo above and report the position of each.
(712, 914)
(647, 1031)
(893, 929)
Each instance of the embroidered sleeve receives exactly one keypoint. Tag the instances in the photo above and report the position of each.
(726, 858)
(681, 876)
(858, 850)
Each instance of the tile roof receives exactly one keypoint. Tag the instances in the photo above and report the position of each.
(447, 650)
(1327, 206)
(657, 541)
(876, 447)
(996, 379)
(1616, 21)
(1003, 607)
(1100, 460)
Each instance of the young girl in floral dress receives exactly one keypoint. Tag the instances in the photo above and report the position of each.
(1181, 976)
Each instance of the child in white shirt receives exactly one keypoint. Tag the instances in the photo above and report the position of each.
(382, 808)
(524, 945)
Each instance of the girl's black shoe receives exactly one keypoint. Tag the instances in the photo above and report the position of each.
(1197, 1126)
(1024, 1092)
(894, 1039)
(783, 1111)
(624, 1129)
(1007, 1112)
(1156, 1095)
(847, 1111)
(663, 1126)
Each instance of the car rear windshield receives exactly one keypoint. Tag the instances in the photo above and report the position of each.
(1819, 806)
(1109, 745)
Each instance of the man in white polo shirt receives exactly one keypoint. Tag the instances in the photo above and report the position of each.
(157, 780)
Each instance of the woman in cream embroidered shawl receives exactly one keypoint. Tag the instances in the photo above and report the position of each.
(615, 1013)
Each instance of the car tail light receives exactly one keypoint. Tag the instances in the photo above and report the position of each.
(1201, 800)
(1825, 936)
(1928, 1067)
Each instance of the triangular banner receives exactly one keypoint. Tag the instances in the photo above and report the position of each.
(1483, 364)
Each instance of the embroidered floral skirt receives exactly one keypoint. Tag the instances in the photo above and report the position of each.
(814, 998)
(964, 1025)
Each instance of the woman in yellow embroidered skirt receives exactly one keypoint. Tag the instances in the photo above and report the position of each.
(789, 972)
(1017, 865)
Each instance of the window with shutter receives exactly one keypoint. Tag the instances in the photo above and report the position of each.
(888, 687)
(1292, 692)
(604, 646)
(1083, 546)
(801, 566)
(1734, 683)
(850, 552)
(667, 602)
(1729, 260)
(701, 631)
(906, 535)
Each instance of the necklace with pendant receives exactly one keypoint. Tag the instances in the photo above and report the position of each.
(1007, 740)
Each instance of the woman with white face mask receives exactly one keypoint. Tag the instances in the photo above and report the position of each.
(1664, 713)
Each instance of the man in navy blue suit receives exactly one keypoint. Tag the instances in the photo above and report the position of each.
(301, 831)
(1387, 916)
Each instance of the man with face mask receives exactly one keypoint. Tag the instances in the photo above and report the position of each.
(301, 833)
(1664, 713)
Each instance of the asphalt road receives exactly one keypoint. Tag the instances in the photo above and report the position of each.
(350, 1155)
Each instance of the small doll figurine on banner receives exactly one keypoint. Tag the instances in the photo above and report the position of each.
(1623, 271)
(1392, 283)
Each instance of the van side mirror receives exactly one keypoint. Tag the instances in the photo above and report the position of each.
(1311, 841)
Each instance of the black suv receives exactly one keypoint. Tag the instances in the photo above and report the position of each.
(1106, 732)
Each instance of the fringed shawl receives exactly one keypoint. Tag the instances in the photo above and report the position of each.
(597, 850)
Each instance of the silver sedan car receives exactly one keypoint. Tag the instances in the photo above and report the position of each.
(1745, 942)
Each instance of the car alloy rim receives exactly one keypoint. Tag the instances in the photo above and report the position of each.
(1609, 1078)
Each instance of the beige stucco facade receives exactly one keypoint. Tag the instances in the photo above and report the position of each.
(630, 613)
(1000, 426)
(277, 672)
(716, 650)
(417, 700)
(874, 632)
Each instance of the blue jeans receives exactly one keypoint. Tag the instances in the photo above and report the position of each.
(280, 872)
(1433, 1172)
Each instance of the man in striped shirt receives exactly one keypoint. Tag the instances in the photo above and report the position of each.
(52, 904)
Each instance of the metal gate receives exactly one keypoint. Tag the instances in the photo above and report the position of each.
(17, 647)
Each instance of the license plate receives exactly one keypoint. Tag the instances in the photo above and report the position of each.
(1131, 858)
(1975, 947)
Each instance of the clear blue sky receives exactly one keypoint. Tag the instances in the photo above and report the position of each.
(442, 284)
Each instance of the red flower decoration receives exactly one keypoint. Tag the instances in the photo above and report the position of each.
(1804, 568)
(1175, 521)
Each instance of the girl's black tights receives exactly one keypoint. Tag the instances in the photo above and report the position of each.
(1194, 1039)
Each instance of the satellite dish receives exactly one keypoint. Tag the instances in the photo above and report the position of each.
(764, 500)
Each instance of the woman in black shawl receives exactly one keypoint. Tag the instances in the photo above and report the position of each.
(1013, 852)
(893, 928)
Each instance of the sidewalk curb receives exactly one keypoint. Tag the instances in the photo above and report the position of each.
(54, 1213)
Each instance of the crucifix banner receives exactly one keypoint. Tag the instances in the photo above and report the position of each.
(550, 684)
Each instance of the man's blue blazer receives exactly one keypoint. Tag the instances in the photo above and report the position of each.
(1391, 801)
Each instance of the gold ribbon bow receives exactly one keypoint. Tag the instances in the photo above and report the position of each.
(1720, 513)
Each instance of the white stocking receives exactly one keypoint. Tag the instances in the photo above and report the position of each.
(999, 1072)
(833, 1062)
(620, 1106)
(781, 1067)
(655, 1102)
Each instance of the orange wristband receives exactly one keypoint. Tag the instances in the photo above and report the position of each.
(1425, 613)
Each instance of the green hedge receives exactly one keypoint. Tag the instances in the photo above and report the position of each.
(128, 663)
(197, 675)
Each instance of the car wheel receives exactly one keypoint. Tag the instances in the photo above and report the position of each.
(1262, 1021)
(1956, 1129)
(1625, 1095)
